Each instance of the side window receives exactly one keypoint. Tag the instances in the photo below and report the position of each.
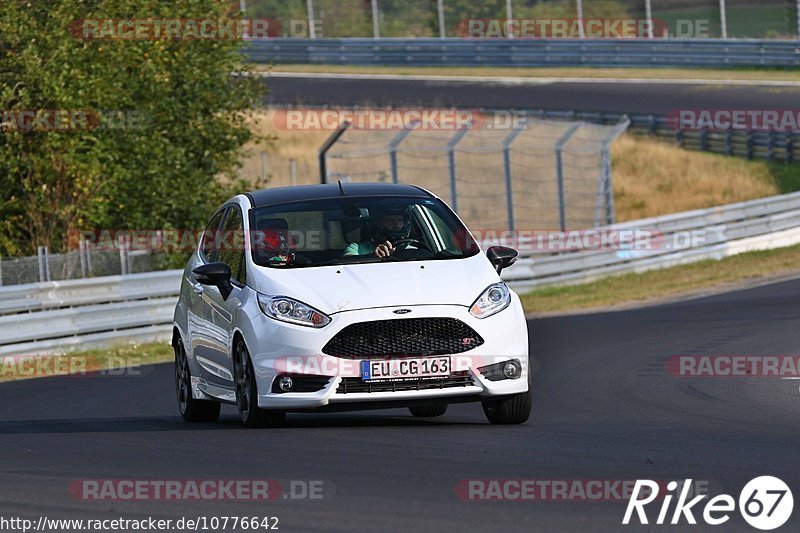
(211, 238)
(231, 251)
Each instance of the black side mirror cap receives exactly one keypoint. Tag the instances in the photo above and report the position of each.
(502, 257)
(217, 275)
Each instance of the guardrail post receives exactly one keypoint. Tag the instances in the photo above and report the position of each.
(729, 142)
(1, 271)
(323, 151)
(451, 164)
(704, 140)
(562, 206)
(519, 128)
(405, 132)
(749, 143)
(789, 151)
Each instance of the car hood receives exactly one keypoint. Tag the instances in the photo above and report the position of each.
(351, 287)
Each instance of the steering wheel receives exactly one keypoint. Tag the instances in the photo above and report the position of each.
(402, 244)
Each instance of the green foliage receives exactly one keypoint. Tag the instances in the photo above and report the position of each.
(173, 157)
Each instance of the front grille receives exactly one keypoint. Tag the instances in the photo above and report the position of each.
(354, 385)
(403, 337)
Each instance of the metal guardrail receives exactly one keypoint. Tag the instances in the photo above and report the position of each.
(528, 52)
(726, 230)
(52, 317)
(41, 318)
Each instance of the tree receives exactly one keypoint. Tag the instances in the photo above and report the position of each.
(173, 120)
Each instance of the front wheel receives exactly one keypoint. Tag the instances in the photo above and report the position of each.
(191, 409)
(247, 393)
(511, 409)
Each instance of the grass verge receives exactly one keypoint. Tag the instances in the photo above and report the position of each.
(670, 282)
(747, 74)
(117, 360)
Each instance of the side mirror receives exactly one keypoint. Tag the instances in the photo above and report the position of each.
(217, 275)
(502, 257)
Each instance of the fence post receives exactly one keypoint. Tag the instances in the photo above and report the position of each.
(648, 8)
(376, 30)
(405, 132)
(605, 192)
(82, 257)
(723, 19)
(264, 166)
(292, 172)
(451, 164)
(123, 256)
(509, 20)
(312, 31)
(42, 254)
(580, 19)
(323, 151)
(771, 145)
(562, 206)
(442, 28)
(507, 170)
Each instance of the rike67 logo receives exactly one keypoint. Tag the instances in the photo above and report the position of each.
(765, 503)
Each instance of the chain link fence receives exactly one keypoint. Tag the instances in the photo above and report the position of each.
(86, 262)
(445, 18)
(538, 174)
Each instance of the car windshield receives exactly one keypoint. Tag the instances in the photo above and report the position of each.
(338, 231)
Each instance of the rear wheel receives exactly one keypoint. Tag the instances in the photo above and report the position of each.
(428, 410)
(247, 393)
(191, 410)
(510, 410)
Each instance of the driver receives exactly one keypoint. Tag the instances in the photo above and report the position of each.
(394, 224)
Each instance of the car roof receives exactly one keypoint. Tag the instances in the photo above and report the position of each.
(280, 195)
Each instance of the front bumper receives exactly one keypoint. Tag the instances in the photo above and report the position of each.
(295, 350)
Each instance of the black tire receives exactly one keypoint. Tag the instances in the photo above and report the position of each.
(429, 410)
(511, 409)
(247, 393)
(191, 410)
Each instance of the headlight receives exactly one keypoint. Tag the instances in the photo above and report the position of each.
(493, 300)
(289, 310)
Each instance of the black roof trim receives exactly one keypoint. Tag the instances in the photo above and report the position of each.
(281, 195)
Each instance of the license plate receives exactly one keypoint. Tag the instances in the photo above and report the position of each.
(429, 367)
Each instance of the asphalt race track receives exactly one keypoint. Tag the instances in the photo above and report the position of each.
(612, 97)
(604, 408)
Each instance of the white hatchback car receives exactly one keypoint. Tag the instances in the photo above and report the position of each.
(347, 296)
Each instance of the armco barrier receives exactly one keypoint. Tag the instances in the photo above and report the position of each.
(528, 52)
(55, 317)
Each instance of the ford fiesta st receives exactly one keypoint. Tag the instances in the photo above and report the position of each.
(347, 296)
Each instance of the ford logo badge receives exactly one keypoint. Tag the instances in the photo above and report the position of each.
(401, 311)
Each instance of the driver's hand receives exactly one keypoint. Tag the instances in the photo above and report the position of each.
(384, 250)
